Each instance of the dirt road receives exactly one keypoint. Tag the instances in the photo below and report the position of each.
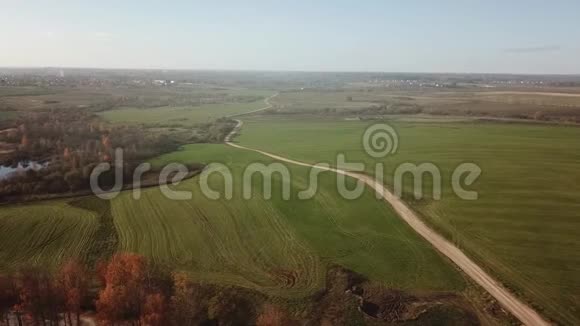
(526, 314)
(266, 100)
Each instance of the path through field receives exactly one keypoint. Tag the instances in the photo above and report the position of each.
(526, 314)
(266, 100)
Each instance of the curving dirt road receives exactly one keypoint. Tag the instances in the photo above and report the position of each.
(266, 100)
(526, 314)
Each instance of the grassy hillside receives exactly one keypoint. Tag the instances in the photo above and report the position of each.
(44, 234)
(525, 225)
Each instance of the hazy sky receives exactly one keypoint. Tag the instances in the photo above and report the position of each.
(415, 36)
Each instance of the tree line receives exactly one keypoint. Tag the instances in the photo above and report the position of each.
(125, 290)
(73, 143)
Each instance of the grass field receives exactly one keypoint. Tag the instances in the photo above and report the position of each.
(183, 116)
(279, 247)
(465, 102)
(38, 98)
(524, 227)
(44, 234)
(305, 101)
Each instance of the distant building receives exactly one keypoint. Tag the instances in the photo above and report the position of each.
(161, 82)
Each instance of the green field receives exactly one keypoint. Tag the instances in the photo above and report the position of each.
(276, 246)
(439, 102)
(306, 101)
(524, 227)
(183, 116)
(45, 234)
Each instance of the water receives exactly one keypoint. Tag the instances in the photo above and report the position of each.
(9, 171)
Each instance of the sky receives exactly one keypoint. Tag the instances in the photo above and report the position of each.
(531, 37)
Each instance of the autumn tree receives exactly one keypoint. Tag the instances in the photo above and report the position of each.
(37, 296)
(8, 297)
(106, 142)
(272, 316)
(227, 307)
(154, 310)
(124, 289)
(186, 305)
(66, 153)
(101, 271)
(24, 142)
(73, 282)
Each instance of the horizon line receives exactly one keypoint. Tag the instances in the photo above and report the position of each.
(294, 71)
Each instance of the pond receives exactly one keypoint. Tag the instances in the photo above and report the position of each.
(7, 171)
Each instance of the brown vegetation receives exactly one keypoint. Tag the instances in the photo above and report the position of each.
(72, 144)
(273, 316)
(126, 290)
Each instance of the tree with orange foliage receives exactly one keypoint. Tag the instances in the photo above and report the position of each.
(37, 295)
(101, 271)
(106, 142)
(7, 297)
(186, 307)
(24, 142)
(66, 153)
(228, 307)
(154, 310)
(124, 292)
(73, 282)
(272, 316)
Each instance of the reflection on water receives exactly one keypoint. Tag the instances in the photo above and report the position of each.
(11, 170)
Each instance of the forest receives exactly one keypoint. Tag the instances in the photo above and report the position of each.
(125, 290)
(70, 143)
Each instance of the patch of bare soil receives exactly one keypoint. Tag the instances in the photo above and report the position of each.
(349, 297)
(395, 306)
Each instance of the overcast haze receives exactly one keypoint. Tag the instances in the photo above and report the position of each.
(412, 36)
